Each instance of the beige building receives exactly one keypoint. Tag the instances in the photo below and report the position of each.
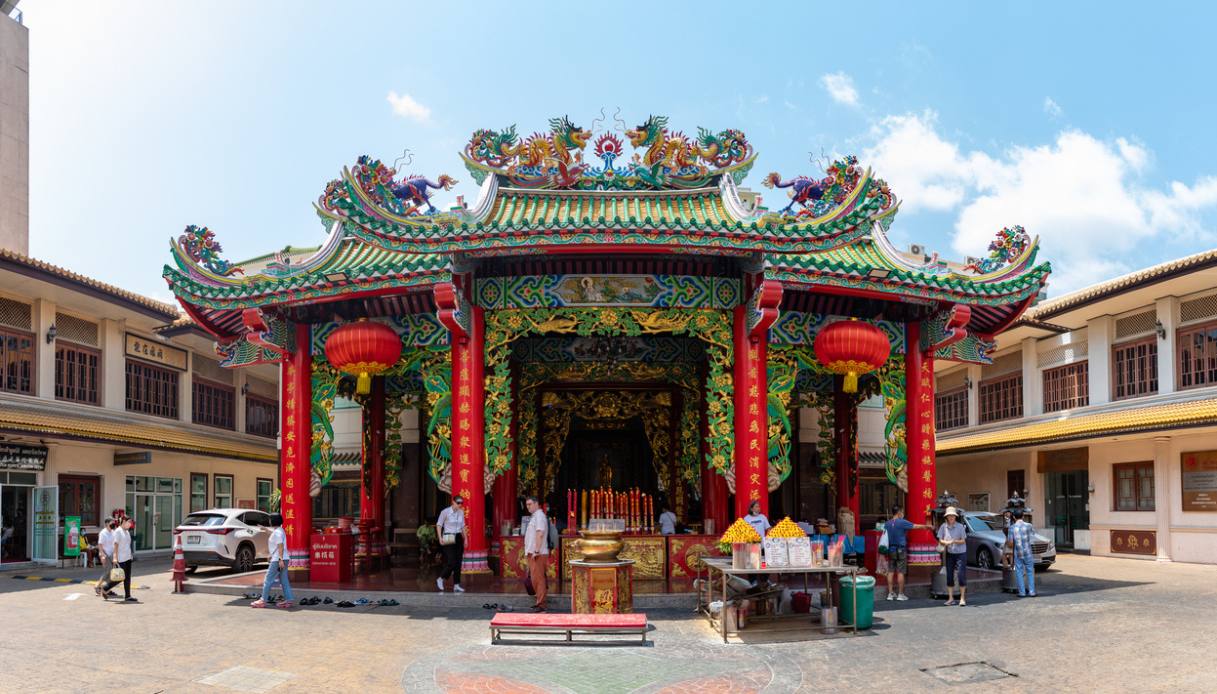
(109, 401)
(14, 130)
(1100, 406)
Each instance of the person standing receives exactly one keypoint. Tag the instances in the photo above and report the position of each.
(105, 557)
(757, 519)
(276, 566)
(1024, 559)
(954, 539)
(667, 521)
(536, 550)
(898, 551)
(123, 554)
(451, 529)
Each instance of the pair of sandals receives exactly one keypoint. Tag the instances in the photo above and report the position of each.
(314, 601)
(361, 602)
(496, 606)
(961, 603)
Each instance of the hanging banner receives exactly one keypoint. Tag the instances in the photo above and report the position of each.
(71, 536)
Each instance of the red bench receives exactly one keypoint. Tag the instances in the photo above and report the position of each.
(569, 624)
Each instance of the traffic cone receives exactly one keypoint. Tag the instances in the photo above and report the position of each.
(179, 566)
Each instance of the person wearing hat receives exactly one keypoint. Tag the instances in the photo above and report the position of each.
(1019, 542)
(451, 529)
(954, 539)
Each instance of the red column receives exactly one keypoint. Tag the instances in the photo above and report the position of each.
(295, 433)
(845, 419)
(919, 434)
(372, 475)
(469, 450)
(751, 418)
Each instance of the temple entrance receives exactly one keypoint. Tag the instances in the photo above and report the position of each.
(599, 455)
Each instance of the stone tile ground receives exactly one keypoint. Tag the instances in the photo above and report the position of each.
(1102, 625)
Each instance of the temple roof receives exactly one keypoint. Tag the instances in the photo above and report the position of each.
(678, 195)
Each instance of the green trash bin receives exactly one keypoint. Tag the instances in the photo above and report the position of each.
(866, 601)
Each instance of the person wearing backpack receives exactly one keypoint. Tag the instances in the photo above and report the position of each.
(536, 550)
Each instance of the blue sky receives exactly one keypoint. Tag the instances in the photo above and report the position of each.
(1088, 123)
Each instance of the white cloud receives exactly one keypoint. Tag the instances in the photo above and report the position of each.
(762, 99)
(925, 170)
(1052, 108)
(405, 106)
(1081, 195)
(840, 87)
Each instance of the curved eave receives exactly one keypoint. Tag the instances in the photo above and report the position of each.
(934, 287)
(300, 290)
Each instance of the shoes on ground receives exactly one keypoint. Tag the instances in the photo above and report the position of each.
(538, 608)
(259, 603)
(130, 600)
(891, 595)
(362, 601)
(963, 603)
(902, 597)
(328, 601)
(285, 605)
(458, 589)
(439, 583)
(948, 603)
(346, 603)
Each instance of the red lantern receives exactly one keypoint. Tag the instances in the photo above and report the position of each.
(363, 349)
(850, 348)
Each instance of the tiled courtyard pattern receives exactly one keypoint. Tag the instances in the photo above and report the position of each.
(1101, 625)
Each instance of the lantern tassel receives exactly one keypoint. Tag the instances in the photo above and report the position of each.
(363, 384)
(851, 382)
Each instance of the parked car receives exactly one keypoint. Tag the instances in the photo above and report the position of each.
(233, 537)
(986, 540)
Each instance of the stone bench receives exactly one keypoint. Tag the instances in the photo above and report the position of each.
(569, 624)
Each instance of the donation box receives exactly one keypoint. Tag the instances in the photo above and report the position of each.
(333, 557)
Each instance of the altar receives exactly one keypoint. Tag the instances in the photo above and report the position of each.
(656, 557)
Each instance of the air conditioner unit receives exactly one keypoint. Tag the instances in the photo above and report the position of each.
(916, 249)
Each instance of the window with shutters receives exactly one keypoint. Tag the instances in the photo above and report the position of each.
(1134, 484)
(1197, 352)
(1001, 398)
(214, 404)
(261, 416)
(1066, 387)
(17, 360)
(76, 373)
(152, 389)
(1134, 367)
(951, 409)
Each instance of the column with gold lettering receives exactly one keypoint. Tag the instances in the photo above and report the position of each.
(751, 418)
(468, 445)
(295, 467)
(919, 435)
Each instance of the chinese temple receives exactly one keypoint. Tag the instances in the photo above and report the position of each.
(615, 316)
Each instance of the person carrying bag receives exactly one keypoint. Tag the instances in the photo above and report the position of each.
(450, 526)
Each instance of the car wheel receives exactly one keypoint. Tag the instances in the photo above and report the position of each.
(245, 559)
(984, 558)
(191, 569)
(1041, 567)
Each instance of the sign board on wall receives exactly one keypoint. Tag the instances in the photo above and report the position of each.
(156, 352)
(14, 456)
(140, 458)
(1134, 542)
(1199, 470)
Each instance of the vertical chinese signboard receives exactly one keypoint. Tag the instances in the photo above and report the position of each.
(1199, 469)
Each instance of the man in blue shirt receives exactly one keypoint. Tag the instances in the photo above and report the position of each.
(898, 551)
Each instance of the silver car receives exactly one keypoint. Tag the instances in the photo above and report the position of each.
(987, 540)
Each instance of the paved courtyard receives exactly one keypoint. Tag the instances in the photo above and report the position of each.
(1100, 625)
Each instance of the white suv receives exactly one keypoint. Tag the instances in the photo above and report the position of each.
(234, 537)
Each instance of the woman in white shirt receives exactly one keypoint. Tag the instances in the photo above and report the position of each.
(451, 529)
(276, 567)
(123, 555)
